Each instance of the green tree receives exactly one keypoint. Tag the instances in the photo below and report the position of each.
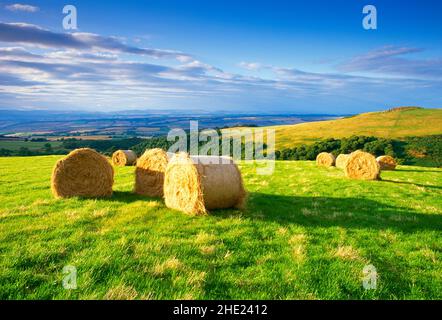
(25, 152)
(48, 148)
(5, 152)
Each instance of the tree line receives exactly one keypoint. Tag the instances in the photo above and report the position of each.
(424, 151)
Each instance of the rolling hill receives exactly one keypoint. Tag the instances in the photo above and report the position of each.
(395, 123)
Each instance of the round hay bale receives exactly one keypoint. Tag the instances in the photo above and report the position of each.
(363, 166)
(341, 160)
(195, 185)
(386, 162)
(82, 173)
(149, 173)
(325, 159)
(123, 158)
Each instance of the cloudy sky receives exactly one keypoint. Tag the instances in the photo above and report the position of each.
(250, 56)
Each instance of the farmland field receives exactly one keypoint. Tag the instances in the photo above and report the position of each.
(307, 233)
(31, 145)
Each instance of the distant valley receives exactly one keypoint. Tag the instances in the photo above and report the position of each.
(33, 124)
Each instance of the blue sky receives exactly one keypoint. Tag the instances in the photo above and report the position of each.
(250, 56)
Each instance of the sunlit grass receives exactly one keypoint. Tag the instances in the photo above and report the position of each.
(307, 233)
(396, 124)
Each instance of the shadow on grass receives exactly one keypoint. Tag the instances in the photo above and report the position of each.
(412, 183)
(416, 170)
(129, 197)
(355, 213)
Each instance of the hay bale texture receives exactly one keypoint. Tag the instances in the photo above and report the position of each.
(386, 162)
(149, 173)
(82, 173)
(341, 160)
(325, 159)
(195, 185)
(123, 158)
(363, 166)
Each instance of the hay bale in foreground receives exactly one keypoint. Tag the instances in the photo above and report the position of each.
(149, 174)
(363, 166)
(82, 173)
(325, 159)
(197, 184)
(386, 162)
(341, 160)
(123, 158)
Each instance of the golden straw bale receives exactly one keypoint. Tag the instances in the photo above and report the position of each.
(325, 159)
(341, 160)
(197, 184)
(386, 162)
(82, 173)
(363, 166)
(149, 173)
(123, 158)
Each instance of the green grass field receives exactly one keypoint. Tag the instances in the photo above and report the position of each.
(394, 124)
(307, 233)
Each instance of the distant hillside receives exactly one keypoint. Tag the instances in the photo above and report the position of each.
(394, 123)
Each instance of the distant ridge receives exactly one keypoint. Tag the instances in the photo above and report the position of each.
(402, 108)
(397, 122)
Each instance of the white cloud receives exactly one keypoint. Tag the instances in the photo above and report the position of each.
(21, 7)
(28, 34)
(252, 66)
(394, 61)
(83, 69)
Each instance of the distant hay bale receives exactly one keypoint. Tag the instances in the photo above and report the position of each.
(123, 158)
(82, 173)
(386, 162)
(363, 166)
(197, 184)
(325, 159)
(341, 160)
(149, 173)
